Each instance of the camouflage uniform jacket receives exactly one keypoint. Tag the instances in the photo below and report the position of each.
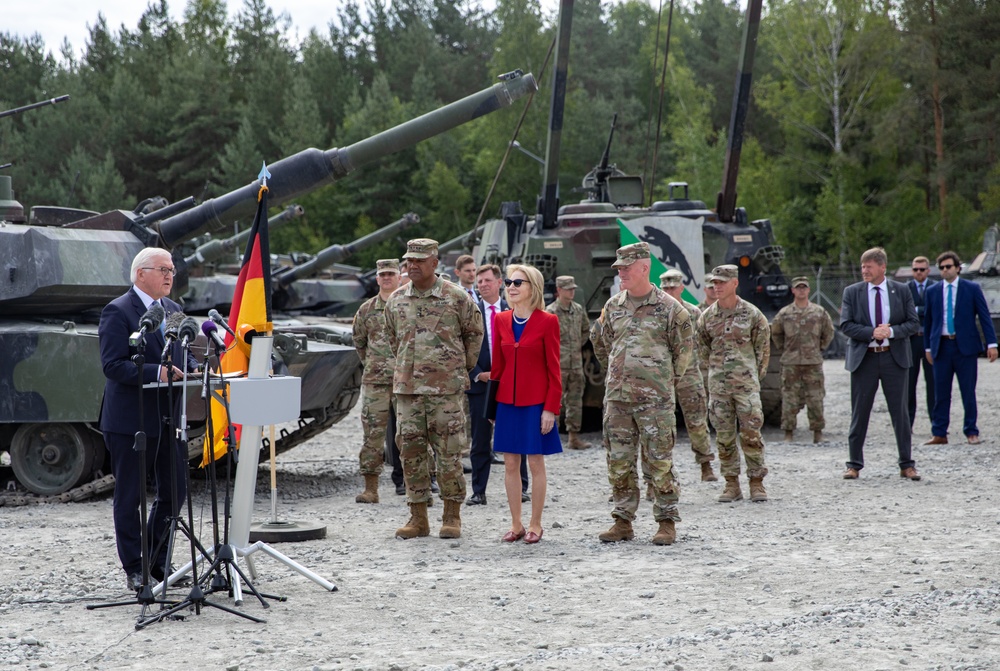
(436, 336)
(371, 340)
(736, 344)
(695, 313)
(574, 332)
(803, 333)
(645, 348)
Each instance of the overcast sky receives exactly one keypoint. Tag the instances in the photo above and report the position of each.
(55, 20)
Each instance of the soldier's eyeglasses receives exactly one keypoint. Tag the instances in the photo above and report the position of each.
(516, 283)
(167, 272)
(946, 266)
(920, 270)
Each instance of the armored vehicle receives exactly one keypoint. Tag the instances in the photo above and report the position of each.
(61, 266)
(580, 239)
(985, 270)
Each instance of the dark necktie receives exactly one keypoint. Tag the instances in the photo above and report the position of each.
(878, 311)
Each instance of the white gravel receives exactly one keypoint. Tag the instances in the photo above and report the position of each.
(881, 573)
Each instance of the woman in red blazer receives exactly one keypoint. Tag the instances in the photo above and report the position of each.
(526, 363)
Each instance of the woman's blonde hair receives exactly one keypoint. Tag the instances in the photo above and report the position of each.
(535, 280)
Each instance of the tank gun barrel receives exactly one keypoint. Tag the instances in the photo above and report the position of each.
(337, 253)
(464, 241)
(216, 249)
(313, 168)
(25, 108)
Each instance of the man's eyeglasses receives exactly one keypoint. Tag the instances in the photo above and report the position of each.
(946, 266)
(517, 283)
(167, 272)
(920, 270)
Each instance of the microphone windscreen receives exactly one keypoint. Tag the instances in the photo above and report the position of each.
(247, 333)
(188, 329)
(207, 327)
(153, 317)
(173, 322)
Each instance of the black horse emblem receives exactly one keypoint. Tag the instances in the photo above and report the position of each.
(670, 253)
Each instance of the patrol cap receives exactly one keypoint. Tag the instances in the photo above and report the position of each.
(672, 278)
(387, 266)
(725, 273)
(709, 278)
(800, 281)
(565, 282)
(629, 254)
(421, 248)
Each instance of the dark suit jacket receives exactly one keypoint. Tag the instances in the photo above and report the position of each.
(969, 302)
(528, 369)
(920, 300)
(856, 323)
(483, 364)
(120, 408)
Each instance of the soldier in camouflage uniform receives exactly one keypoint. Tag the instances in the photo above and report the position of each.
(436, 333)
(690, 387)
(574, 332)
(802, 331)
(735, 339)
(372, 343)
(645, 342)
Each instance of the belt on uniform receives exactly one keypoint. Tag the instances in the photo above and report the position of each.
(948, 337)
(878, 350)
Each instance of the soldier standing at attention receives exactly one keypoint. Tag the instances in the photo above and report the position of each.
(690, 387)
(645, 343)
(436, 333)
(574, 332)
(372, 343)
(733, 336)
(802, 330)
(709, 293)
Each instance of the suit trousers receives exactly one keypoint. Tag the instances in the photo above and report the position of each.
(950, 363)
(481, 454)
(879, 368)
(130, 489)
(919, 360)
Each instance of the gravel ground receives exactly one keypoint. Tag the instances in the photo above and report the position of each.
(880, 573)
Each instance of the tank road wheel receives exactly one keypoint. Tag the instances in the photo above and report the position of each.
(49, 459)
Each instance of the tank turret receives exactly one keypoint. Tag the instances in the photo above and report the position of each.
(213, 250)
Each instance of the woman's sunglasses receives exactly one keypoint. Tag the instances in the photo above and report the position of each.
(516, 283)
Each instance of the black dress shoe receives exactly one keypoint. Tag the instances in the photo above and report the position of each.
(495, 458)
(401, 489)
(525, 497)
(476, 500)
(134, 581)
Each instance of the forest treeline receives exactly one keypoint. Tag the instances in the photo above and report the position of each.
(872, 121)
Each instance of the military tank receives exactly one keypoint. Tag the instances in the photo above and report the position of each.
(985, 270)
(61, 266)
(580, 239)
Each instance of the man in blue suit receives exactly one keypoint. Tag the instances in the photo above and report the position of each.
(878, 316)
(953, 345)
(488, 283)
(152, 278)
(918, 288)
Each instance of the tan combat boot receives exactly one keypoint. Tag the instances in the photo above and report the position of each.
(732, 492)
(370, 495)
(666, 534)
(575, 443)
(707, 474)
(451, 520)
(817, 436)
(418, 525)
(757, 491)
(621, 531)
(789, 436)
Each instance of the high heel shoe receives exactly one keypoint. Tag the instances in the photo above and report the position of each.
(510, 536)
(532, 537)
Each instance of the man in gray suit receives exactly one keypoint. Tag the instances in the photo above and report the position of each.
(879, 317)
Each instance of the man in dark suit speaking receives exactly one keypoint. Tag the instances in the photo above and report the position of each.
(152, 278)
(879, 317)
(953, 345)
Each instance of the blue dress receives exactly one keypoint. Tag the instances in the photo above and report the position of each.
(518, 427)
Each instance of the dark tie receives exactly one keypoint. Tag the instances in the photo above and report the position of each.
(878, 312)
(920, 290)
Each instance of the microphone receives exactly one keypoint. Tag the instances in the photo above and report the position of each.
(247, 333)
(171, 327)
(188, 330)
(214, 315)
(211, 332)
(150, 321)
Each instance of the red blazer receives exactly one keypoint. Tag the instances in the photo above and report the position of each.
(528, 370)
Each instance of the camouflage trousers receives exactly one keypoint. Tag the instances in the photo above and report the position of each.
(727, 411)
(376, 404)
(802, 385)
(572, 399)
(694, 404)
(646, 429)
(467, 448)
(435, 421)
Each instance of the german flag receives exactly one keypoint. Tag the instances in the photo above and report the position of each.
(251, 307)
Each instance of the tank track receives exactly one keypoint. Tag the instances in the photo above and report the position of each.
(307, 428)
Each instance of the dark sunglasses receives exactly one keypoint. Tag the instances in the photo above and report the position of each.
(946, 266)
(920, 270)
(516, 283)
